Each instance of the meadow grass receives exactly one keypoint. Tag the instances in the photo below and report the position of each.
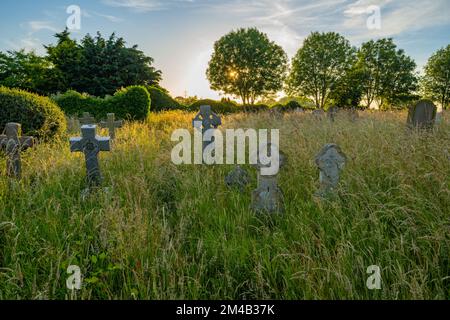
(161, 231)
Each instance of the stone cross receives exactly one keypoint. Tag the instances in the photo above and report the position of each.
(268, 197)
(208, 119)
(111, 124)
(237, 178)
(87, 119)
(90, 144)
(422, 115)
(14, 144)
(331, 161)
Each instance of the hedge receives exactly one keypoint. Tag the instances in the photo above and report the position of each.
(128, 103)
(162, 101)
(222, 107)
(38, 115)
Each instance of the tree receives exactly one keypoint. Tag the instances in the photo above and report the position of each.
(246, 64)
(436, 82)
(348, 91)
(26, 70)
(387, 73)
(319, 65)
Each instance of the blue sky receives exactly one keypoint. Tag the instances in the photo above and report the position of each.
(179, 34)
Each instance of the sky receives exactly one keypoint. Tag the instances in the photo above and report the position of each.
(180, 34)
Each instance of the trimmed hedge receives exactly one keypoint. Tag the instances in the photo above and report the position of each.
(222, 107)
(162, 101)
(128, 103)
(254, 108)
(38, 115)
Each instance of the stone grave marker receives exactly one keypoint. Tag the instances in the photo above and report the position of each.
(111, 124)
(208, 119)
(331, 161)
(268, 197)
(90, 144)
(422, 115)
(318, 114)
(237, 178)
(13, 144)
(332, 113)
(87, 119)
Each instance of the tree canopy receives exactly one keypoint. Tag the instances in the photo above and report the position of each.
(436, 82)
(319, 65)
(246, 64)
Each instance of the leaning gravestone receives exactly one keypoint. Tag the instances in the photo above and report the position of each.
(331, 161)
(13, 144)
(422, 115)
(111, 124)
(237, 178)
(268, 197)
(207, 120)
(90, 144)
(87, 119)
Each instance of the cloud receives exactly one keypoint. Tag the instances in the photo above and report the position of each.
(136, 5)
(36, 26)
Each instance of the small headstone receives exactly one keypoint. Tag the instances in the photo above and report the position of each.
(353, 114)
(111, 124)
(331, 161)
(208, 119)
(90, 144)
(87, 119)
(332, 113)
(318, 114)
(422, 115)
(300, 110)
(73, 125)
(268, 197)
(13, 144)
(237, 178)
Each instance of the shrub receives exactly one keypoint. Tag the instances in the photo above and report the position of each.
(127, 103)
(292, 105)
(38, 115)
(161, 100)
(254, 108)
(222, 107)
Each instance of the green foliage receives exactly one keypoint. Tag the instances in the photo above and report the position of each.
(245, 63)
(39, 116)
(222, 107)
(254, 107)
(387, 73)
(161, 100)
(436, 82)
(128, 103)
(292, 105)
(348, 92)
(319, 65)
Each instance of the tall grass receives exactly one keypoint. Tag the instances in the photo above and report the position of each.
(160, 231)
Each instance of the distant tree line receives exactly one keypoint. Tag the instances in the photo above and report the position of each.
(95, 65)
(327, 70)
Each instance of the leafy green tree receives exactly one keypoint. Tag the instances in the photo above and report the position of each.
(436, 82)
(26, 70)
(348, 91)
(246, 64)
(319, 66)
(387, 73)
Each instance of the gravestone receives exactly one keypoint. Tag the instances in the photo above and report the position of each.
(318, 114)
(87, 119)
(237, 178)
(73, 125)
(209, 120)
(353, 114)
(331, 161)
(268, 197)
(90, 144)
(422, 115)
(111, 124)
(332, 113)
(13, 144)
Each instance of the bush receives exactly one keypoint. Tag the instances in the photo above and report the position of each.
(292, 105)
(254, 108)
(162, 101)
(222, 107)
(127, 103)
(39, 116)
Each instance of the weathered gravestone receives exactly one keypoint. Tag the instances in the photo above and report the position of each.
(268, 197)
(111, 124)
(331, 161)
(90, 144)
(87, 119)
(318, 114)
(73, 124)
(332, 113)
(205, 120)
(237, 178)
(13, 144)
(422, 115)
